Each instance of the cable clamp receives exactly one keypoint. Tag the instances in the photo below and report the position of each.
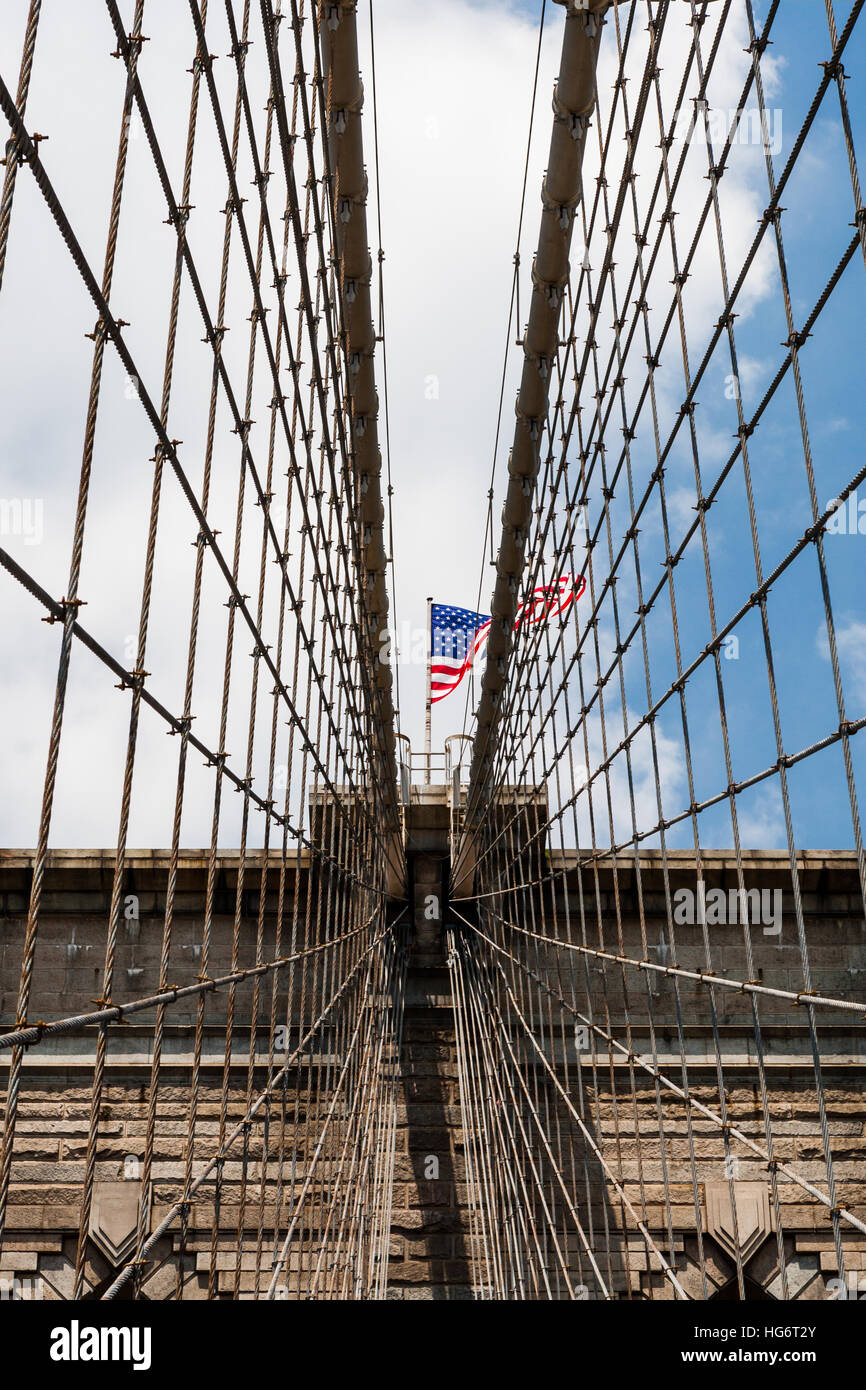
(134, 44)
(179, 216)
(796, 340)
(66, 606)
(202, 62)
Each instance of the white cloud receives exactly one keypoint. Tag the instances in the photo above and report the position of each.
(762, 824)
(851, 647)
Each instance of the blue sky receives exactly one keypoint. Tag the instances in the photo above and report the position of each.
(816, 229)
(819, 209)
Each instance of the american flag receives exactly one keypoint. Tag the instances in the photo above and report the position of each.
(548, 600)
(458, 634)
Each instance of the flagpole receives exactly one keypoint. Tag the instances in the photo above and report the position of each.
(429, 703)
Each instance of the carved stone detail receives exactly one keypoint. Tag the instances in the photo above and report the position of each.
(753, 1223)
(114, 1219)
